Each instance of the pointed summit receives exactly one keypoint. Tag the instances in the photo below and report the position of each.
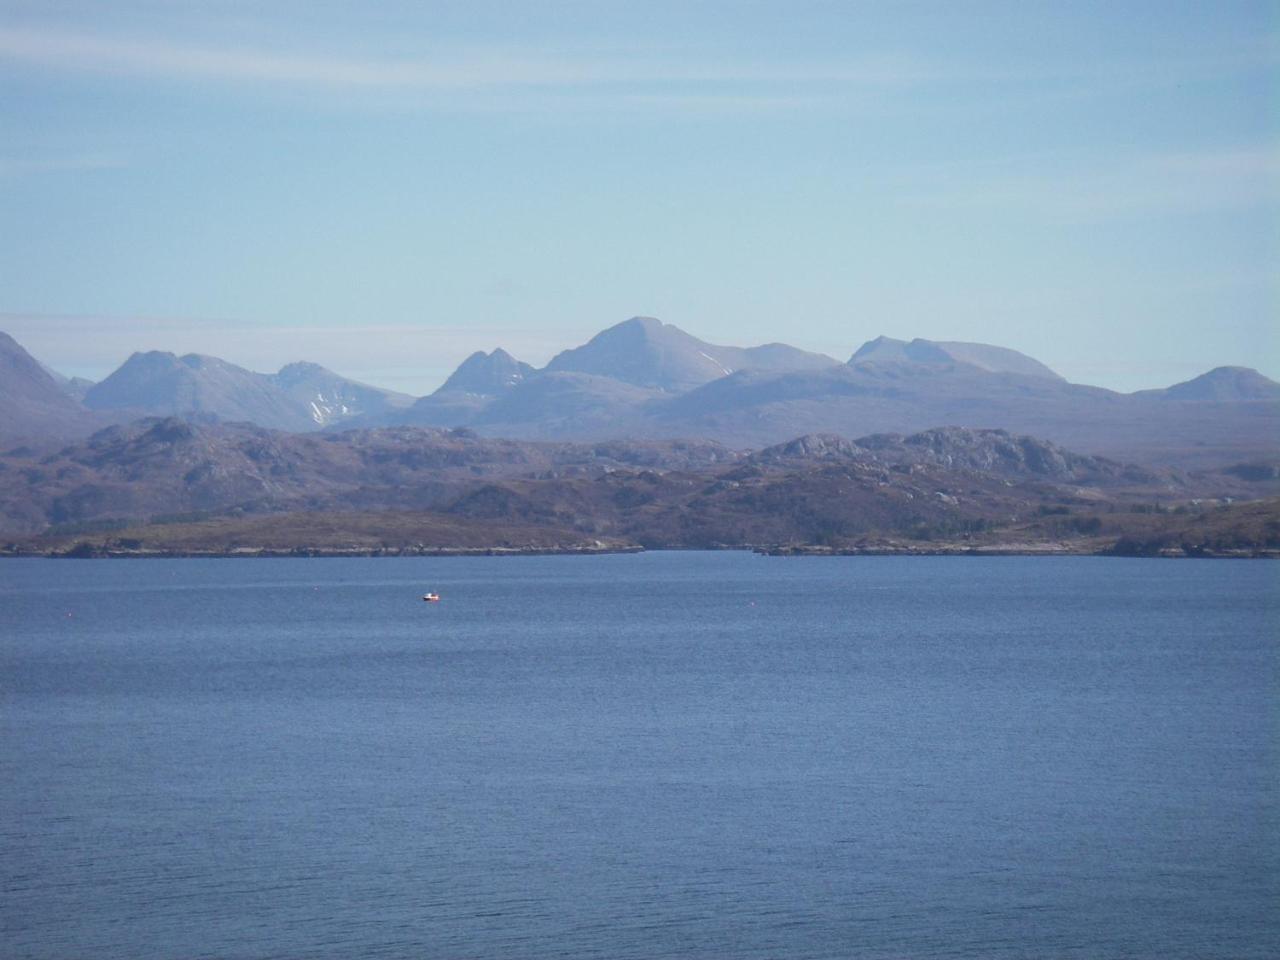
(487, 374)
(646, 352)
(480, 380)
(881, 350)
(33, 403)
(1226, 383)
(148, 381)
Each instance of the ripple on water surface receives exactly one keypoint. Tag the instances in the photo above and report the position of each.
(655, 755)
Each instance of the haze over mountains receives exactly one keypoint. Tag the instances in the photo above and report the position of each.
(33, 402)
(644, 379)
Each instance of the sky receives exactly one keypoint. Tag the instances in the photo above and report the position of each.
(385, 188)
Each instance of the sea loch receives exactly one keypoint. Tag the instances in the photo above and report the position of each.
(653, 755)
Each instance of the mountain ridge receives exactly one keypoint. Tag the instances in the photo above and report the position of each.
(646, 379)
(299, 397)
(33, 403)
(645, 352)
(984, 356)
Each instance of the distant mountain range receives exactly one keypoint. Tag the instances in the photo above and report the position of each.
(643, 379)
(646, 379)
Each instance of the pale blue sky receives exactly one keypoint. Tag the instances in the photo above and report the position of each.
(1097, 185)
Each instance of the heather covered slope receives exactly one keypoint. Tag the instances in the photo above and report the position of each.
(170, 467)
(1250, 529)
(938, 485)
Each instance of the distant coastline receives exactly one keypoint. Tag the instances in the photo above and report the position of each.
(84, 550)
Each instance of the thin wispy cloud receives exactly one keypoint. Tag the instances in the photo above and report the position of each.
(446, 70)
(453, 74)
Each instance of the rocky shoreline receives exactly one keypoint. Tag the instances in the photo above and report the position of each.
(84, 550)
(1056, 549)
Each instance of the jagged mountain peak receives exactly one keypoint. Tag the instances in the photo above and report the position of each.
(643, 351)
(157, 362)
(487, 374)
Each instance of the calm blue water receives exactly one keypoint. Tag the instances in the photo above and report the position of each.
(662, 755)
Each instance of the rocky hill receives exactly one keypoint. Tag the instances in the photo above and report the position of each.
(993, 452)
(937, 485)
(171, 466)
